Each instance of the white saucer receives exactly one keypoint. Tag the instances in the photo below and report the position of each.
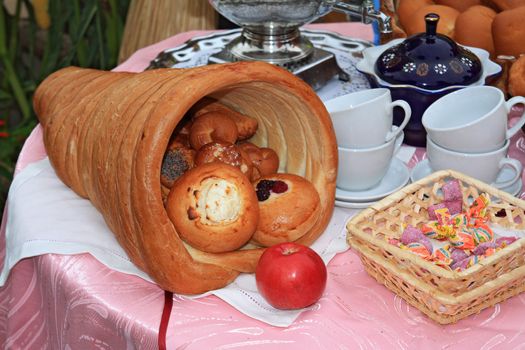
(396, 177)
(423, 169)
(353, 205)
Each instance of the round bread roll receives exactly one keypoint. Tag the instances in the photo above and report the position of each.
(212, 127)
(474, 28)
(460, 5)
(406, 8)
(213, 208)
(288, 208)
(246, 126)
(508, 31)
(265, 161)
(447, 20)
(504, 5)
(517, 77)
(226, 153)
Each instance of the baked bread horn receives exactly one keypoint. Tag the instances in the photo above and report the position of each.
(106, 134)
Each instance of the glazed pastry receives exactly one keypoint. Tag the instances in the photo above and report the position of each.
(289, 207)
(246, 126)
(214, 208)
(177, 160)
(226, 153)
(212, 127)
(264, 160)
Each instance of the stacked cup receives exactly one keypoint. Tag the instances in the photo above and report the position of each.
(467, 131)
(366, 138)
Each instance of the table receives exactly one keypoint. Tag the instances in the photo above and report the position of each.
(57, 301)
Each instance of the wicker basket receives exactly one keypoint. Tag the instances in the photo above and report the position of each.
(445, 296)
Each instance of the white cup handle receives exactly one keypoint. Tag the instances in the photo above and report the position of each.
(514, 165)
(408, 112)
(508, 105)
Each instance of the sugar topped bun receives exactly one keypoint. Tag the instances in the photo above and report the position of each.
(213, 207)
(289, 206)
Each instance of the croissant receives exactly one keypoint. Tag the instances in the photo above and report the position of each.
(106, 134)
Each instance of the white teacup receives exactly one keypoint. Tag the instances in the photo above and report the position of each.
(483, 166)
(363, 168)
(363, 119)
(471, 120)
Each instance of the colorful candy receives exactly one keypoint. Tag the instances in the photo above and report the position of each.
(469, 236)
(414, 235)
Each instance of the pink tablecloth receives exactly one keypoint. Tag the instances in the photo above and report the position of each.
(58, 302)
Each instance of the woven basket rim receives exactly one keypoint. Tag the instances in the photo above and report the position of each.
(386, 202)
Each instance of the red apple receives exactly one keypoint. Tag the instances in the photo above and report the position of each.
(290, 276)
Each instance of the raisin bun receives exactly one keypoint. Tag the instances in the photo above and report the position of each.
(289, 206)
(213, 207)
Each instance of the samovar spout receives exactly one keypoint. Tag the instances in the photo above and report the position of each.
(365, 11)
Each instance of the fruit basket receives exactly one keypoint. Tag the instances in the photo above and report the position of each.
(444, 295)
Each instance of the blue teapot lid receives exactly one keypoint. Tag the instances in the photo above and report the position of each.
(429, 60)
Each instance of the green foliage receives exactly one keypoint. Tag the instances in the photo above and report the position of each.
(84, 33)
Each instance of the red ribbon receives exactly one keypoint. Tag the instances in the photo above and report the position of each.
(166, 312)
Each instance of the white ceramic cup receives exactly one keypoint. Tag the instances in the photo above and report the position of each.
(483, 166)
(363, 168)
(363, 119)
(471, 120)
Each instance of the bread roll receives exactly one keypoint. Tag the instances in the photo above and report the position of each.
(517, 77)
(288, 207)
(474, 28)
(504, 5)
(226, 153)
(246, 126)
(508, 31)
(406, 8)
(460, 5)
(447, 20)
(212, 127)
(213, 207)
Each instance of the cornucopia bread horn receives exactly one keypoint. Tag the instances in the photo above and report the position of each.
(106, 134)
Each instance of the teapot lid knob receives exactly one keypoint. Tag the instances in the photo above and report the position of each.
(431, 20)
